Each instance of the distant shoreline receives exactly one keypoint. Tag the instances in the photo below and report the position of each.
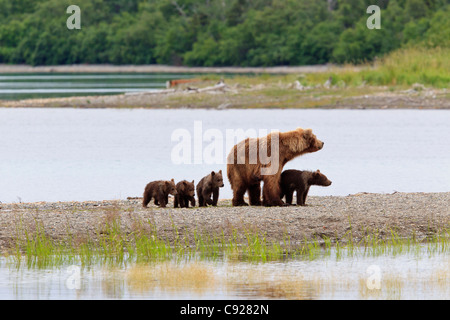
(280, 90)
(106, 68)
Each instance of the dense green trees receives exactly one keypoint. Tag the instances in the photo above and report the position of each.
(216, 32)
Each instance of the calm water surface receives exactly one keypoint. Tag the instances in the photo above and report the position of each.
(25, 86)
(415, 275)
(77, 155)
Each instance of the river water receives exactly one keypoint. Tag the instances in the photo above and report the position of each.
(418, 274)
(78, 155)
(45, 85)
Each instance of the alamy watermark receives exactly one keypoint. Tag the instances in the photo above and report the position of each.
(374, 21)
(74, 21)
(373, 281)
(73, 282)
(211, 145)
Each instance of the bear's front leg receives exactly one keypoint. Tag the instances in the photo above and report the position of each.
(207, 198)
(182, 202)
(300, 197)
(304, 195)
(192, 201)
(271, 191)
(215, 197)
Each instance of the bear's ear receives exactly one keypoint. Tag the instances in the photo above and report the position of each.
(185, 183)
(307, 133)
(192, 182)
(172, 180)
(212, 173)
(318, 171)
(220, 171)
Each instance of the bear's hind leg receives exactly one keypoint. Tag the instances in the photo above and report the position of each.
(146, 200)
(289, 196)
(254, 195)
(201, 201)
(301, 197)
(238, 196)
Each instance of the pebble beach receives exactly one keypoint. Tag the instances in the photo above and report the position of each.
(418, 215)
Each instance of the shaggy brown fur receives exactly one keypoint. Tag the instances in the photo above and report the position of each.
(246, 176)
(300, 181)
(207, 186)
(185, 194)
(159, 190)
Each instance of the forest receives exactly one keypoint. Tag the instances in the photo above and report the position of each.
(217, 32)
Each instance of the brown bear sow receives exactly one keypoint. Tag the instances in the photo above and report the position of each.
(159, 190)
(300, 181)
(207, 186)
(185, 194)
(248, 159)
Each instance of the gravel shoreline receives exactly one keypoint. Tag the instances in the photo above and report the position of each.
(107, 68)
(408, 214)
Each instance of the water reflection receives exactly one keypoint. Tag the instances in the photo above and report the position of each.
(404, 276)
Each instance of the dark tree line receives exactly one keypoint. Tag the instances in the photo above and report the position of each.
(216, 32)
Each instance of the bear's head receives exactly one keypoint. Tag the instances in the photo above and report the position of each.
(187, 188)
(319, 179)
(170, 187)
(312, 143)
(217, 179)
(301, 141)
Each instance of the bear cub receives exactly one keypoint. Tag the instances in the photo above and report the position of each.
(209, 185)
(159, 190)
(300, 181)
(185, 194)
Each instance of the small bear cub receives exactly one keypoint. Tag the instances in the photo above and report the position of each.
(159, 190)
(209, 185)
(185, 194)
(300, 181)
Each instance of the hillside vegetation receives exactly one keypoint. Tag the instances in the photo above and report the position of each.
(220, 33)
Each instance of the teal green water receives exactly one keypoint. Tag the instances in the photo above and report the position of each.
(45, 85)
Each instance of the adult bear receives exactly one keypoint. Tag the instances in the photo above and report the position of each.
(262, 159)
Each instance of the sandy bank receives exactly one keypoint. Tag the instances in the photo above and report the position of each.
(408, 214)
(105, 68)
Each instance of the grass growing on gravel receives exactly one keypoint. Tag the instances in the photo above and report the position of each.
(115, 246)
(402, 67)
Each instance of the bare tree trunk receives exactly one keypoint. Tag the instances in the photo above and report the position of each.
(179, 8)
